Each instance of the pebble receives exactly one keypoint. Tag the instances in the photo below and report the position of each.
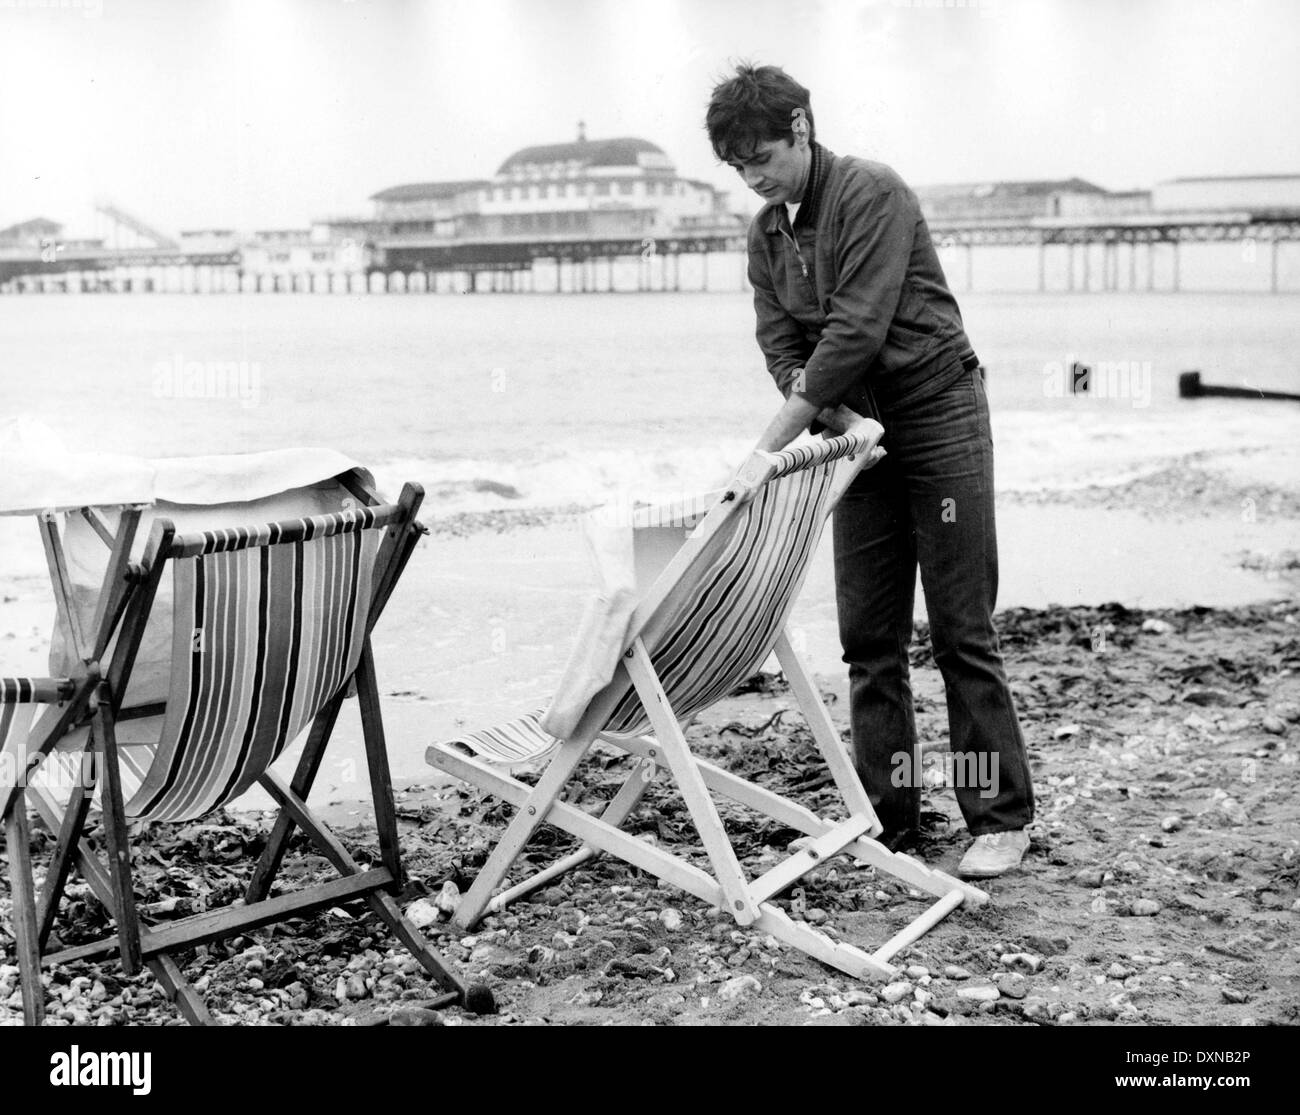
(1232, 996)
(896, 992)
(1145, 908)
(1065, 731)
(448, 898)
(1118, 971)
(670, 919)
(1157, 627)
(1089, 877)
(1013, 985)
(1172, 823)
(422, 913)
(1066, 1018)
(816, 916)
(1274, 725)
(952, 971)
(916, 971)
(738, 986)
(983, 993)
(1025, 962)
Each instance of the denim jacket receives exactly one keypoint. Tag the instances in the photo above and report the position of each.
(854, 294)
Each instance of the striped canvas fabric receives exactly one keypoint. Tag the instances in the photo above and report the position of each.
(17, 696)
(521, 740)
(263, 636)
(721, 630)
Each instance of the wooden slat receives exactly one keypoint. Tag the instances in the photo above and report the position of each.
(920, 926)
(61, 583)
(828, 739)
(215, 924)
(811, 855)
(332, 848)
(690, 783)
(381, 781)
(590, 830)
(115, 589)
(119, 843)
(268, 865)
(26, 945)
(65, 851)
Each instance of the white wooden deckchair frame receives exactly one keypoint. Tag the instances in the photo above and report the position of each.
(749, 901)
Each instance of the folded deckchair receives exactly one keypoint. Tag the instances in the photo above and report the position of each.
(269, 631)
(726, 580)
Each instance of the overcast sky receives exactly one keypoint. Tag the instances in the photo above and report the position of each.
(267, 113)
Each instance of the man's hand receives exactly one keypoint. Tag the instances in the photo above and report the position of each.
(791, 420)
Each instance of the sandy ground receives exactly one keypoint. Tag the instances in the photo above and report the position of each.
(1161, 885)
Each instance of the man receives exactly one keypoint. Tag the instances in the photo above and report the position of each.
(853, 309)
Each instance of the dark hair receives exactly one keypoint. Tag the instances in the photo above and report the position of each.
(756, 105)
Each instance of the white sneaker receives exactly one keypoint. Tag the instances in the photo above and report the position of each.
(993, 853)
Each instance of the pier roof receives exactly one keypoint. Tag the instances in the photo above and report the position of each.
(620, 151)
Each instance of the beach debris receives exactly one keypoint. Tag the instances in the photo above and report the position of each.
(955, 972)
(422, 913)
(1172, 823)
(1231, 995)
(1144, 908)
(1157, 626)
(1022, 962)
(448, 898)
(896, 992)
(670, 919)
(1013, 985)
(739, 986)
(980, 993)
(1274, 725)
(1065, 731)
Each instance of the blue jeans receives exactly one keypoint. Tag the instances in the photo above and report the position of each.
(929, 502)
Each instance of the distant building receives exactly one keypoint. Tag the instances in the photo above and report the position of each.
(1021, 201)
(622, 188)
(287, 253)
(30, 234)
(1249, 193)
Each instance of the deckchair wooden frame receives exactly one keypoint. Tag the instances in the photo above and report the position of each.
(100, 704)
(749, 902)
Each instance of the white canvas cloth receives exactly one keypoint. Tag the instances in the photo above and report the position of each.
(603, 630)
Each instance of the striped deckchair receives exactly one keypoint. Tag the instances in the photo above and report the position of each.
(715, 590)
(270, 629)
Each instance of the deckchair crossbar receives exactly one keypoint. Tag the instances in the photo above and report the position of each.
(819, 453)
(23, 691)
(199, 543)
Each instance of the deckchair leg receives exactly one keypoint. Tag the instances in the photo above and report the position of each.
(828, 739)
(616, 812)
(268, 866)
(690, 782)
(384, 906)
(65, 851)
(100, 881)
(119, 848)
(381, 781)
(22, 894)
(532, 812)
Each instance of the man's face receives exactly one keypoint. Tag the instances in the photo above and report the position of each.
(777, 169)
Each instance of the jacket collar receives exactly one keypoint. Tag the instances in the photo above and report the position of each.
(810, 207)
